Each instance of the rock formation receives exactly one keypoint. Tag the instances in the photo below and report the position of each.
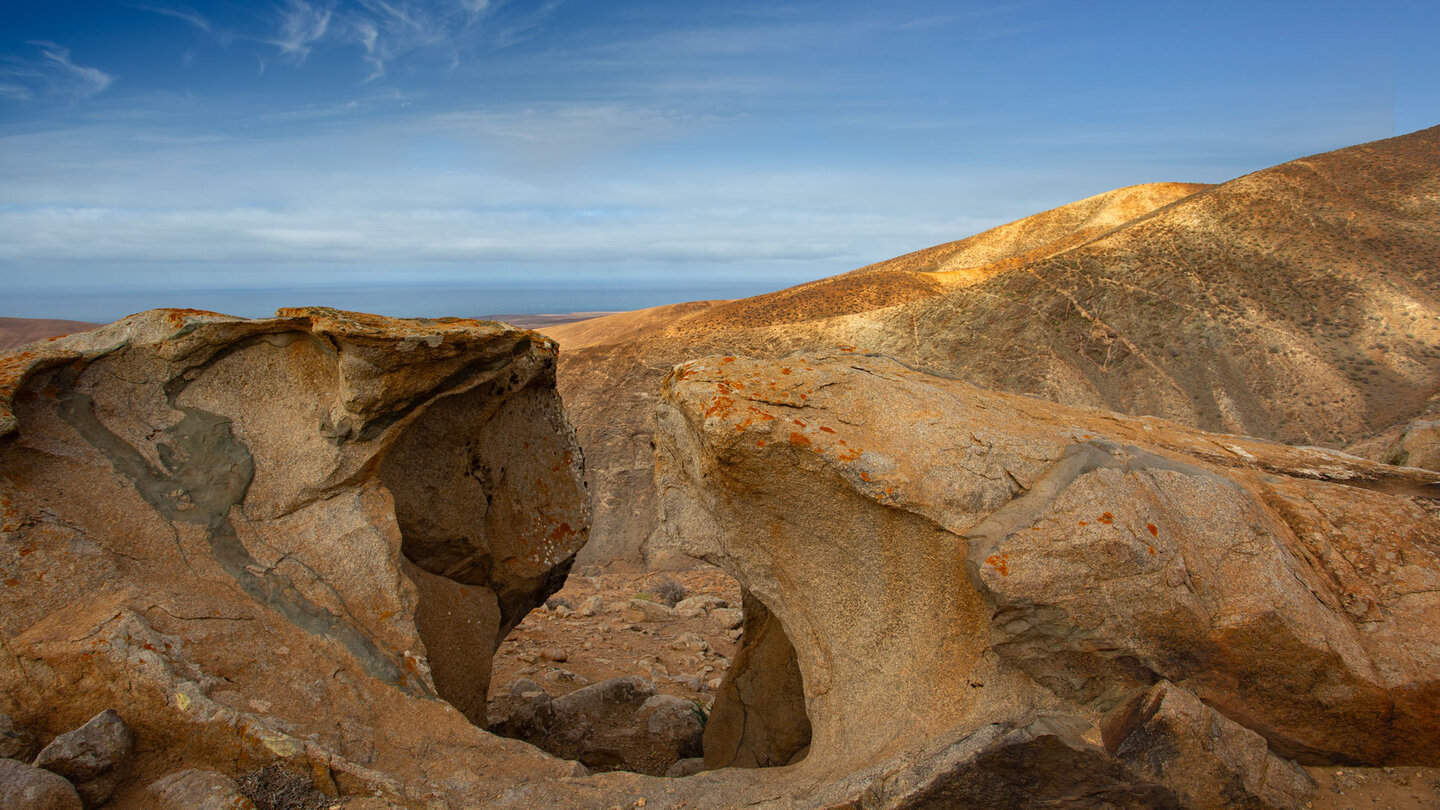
(954, 566)
(283, 539)
(1300, 303)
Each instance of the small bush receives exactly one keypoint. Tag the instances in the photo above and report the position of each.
(274, 788)
(669, 592)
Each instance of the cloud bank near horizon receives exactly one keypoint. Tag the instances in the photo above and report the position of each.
(321, 143)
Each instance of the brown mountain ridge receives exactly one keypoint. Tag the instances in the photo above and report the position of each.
(1300, 303)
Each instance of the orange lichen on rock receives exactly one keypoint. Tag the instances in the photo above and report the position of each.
(1000, 562)
(1108, 519)
(720, 405)
(799, 439)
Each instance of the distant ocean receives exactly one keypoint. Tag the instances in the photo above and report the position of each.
(102, 306)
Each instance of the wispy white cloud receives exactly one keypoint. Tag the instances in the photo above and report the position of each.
(301, 25)
(52, 73)
(223, 35)
(195, 18)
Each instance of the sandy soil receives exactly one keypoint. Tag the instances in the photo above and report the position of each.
(1361, 788)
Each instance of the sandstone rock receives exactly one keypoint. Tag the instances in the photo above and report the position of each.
(593, 606)
(617, 694)
(616, 724)
(643, 610)
(558, 675)
(523, 715)
(674, 727)
(24, 787)
(685, 767)
(690, 641)
(282, 539)
(16, 742)
(522, 686)
(945, 559)
(93, 757)
(758, 719)
(1206, 758)
(695, 606)
(595, 725)
(727, 618)
(198, 789)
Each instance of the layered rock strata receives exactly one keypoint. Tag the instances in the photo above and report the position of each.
(298, 538)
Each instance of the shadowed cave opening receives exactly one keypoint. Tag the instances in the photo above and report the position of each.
(630, 669)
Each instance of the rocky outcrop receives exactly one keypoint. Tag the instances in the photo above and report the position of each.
(25, 787)
(284, 539)
(954, 565)
(198, 789)
(617, 724)
(15, 741)
(1300, 304)
(93, 757)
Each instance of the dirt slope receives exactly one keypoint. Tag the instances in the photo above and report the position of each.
(1300, 303)
(19, 331)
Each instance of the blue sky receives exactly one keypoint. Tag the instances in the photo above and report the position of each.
(478, 156)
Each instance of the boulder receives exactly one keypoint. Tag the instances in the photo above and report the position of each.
(1206, 758)
(284, 539)
(673, 728)
(198, 789)
(944, 559)
(93, 757)
(643, 610)
(619, 724)
(593, 606)
(16, 742)
(685, 767)
(25, 787)
(695, 606)
(727, 618)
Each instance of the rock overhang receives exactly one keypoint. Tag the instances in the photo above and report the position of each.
(1100, 554)
(179, 479)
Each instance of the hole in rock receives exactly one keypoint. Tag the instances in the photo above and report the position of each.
(476, 491)
(626, 672)
(619, 671)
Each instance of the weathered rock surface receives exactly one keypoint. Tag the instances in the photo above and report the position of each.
(198, 789)
(1300, 303)
(643, 610)
(16, 742)
(1206, 758)
(946, 559)
(93, 757)
(1417, 446)
(25, 787)
(283, 539)
(758, 719)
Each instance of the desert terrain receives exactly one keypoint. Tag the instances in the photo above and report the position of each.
(1132, 503)
(19, 331)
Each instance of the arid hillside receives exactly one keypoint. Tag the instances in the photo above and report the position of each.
(1300, 303)
(19, 331)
